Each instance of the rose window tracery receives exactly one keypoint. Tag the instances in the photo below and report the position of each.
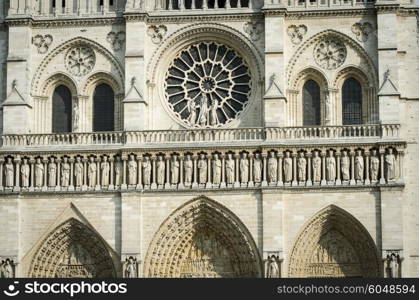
(208, 85)
(80, 60)
(330, 53)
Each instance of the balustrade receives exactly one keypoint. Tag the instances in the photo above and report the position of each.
(249, 167)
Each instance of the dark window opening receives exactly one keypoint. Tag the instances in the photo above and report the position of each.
(61, 110)
(311, 103)
(351, 102)
(103, 108)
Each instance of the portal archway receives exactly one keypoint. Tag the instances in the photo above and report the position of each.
(72, 250)
(202, 239)
(334, 244)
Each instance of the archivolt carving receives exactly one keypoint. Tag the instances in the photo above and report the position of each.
(334, 244)
(76, 42)
(56, 80)
(72, 250)
(101, 77)
(202, 239)
(352, 71)
(311, 73)
(367, 64)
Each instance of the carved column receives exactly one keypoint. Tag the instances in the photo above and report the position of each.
(194, 183)
(264, 182)
(280, 180)
(294, 168)
(124, 159)
(167, 179)
(84, 187)
(400, 158)
(1, 173)
(209, 181)
(181, 184)
(32, 164)
(111, 162)
(323, 155)
(236, 169)
(337, 155)
(71, 162)
(309, 182)
(153, 161)
(17, 173)
(223, 182)
(250, 183)
(367, 168)
(139, 171)
(98, 181)
(45, 186)
(382, 171)
(352, 154)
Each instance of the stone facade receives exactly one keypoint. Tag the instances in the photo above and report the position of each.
(211, 170)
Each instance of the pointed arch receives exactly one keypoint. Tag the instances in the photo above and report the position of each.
(333, 243)
(202, 230)
(72, 249)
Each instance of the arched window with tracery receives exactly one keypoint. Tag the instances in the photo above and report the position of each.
(351, 102)
(311, 103)
(103, 108)
(61, 110)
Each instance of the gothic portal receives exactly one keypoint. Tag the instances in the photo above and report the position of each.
(334, 244)
(72, 250)
(202, 239)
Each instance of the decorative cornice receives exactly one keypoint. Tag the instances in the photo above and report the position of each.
(65, 22)
(204, 18)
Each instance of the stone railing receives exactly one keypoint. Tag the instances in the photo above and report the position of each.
(202, 4)
(356, 165)
(190, 137)
(327, 4)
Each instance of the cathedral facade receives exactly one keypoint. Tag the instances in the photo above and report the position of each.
(209, 138)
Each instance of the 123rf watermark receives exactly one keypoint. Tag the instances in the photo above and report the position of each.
(71, 289)
(367, 289)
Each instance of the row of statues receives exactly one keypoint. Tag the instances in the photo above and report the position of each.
(231, 169)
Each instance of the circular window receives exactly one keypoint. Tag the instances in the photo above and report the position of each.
(80, 60)
(330, 53)
(208, 85)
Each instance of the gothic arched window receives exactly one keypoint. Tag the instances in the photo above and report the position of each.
(311, 103)
(351, 102)
(103, 108)
(61, 110)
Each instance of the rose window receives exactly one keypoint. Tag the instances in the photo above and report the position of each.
(208, 85)
(80, 60)
(330, 53)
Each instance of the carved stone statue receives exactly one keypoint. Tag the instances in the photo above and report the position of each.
(393, 266)
(146, 166)
(76, 116)
(302, 167)
(131, 268)
(244, 168)
(25, 172)
(78, 172)
(91, 172)
(257, 168)
(272, 167)
(174, 170)
(390, 161)
(188, 168)
(287, 167)
(375, 165)
(192, 111)
(213, 113)
(316, 163)
(216, 169)
(160, 170)
(105, 168)
(272, 267)
(7, 268)
(65, 173)
(230, 169)
(359, 166)
(132, 170)
(328, 105)
(39, 173)
(344, 165)
(330, 167)
(118, 171)
(9, 172)
(52, 173)
(202, 169)
(204, 110)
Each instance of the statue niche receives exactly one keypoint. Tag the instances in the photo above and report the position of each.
(72, 250)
